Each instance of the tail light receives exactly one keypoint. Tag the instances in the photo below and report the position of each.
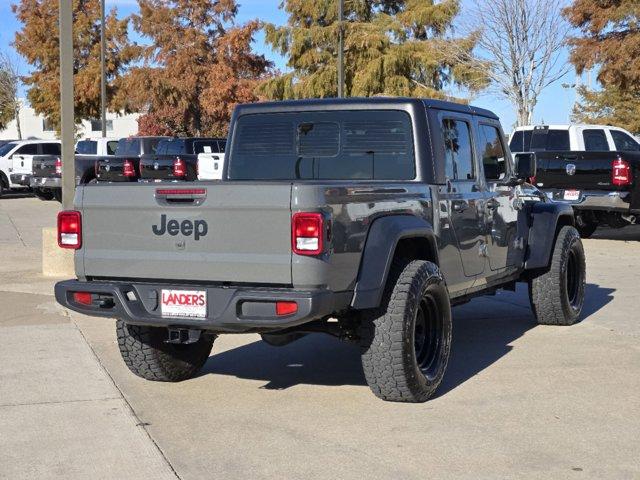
(128, 169)
(58, 166)
(286, 308)
(179, 168)
(620, 172)
(83, 298)
(70, 230)
(307, 233)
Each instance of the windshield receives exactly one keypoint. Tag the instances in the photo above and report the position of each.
(5, 149)
(344, 145)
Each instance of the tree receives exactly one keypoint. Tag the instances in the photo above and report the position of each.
(195, 68)
(392, 47)
(520, 42)
(610, 41)
(9, 102)
(38, 43)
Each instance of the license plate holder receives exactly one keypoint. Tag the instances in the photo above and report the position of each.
(183, 303)
(572, 195)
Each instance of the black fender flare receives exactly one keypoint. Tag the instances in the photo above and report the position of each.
(545, 217)
(380, 247)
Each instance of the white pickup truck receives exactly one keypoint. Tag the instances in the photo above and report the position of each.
(571, 138)
(16, 161)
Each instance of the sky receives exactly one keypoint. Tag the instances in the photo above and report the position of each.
(554, 105)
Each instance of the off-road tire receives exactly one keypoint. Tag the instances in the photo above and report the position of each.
(557, 296)
(415, 295)
(147, 355)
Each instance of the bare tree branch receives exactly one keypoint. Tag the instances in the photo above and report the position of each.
(521, 41)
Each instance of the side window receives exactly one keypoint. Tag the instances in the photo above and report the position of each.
(624, 142)
(457, 150)
(222, 145)
(31, 149)
(111, 147)
(493, 156)
(51, 149)
(595, 140)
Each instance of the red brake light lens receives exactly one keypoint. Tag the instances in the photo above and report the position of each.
(307, 233)
(83, 298)
(179, 168)
(286, 308)
(58, 166)
(620, 172)
(70, 230)
(128, 170)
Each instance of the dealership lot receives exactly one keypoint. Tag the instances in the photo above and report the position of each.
(518, 401)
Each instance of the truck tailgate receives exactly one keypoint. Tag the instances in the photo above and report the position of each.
(234, 232)
(575, 170)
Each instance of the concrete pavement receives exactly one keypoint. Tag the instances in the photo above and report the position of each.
(518, 401)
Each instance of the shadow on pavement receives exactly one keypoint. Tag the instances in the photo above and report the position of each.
(628, 233)
(317, 359)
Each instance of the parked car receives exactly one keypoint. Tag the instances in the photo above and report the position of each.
(46, 179)
(125, 165)
(16, 160)
(184, 159)
(595, 169)
(362, 218)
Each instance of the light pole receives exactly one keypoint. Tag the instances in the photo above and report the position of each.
(341, 49)
(67, 121)
(103, 73)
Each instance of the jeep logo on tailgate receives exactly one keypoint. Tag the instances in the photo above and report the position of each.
(197, 228)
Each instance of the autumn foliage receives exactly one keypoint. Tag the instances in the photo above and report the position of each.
(610, 42)
(38, 43)
(194, 68)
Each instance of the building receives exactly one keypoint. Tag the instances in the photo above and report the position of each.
(36, 126)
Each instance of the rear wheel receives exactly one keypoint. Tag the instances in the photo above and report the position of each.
(557, 296)
(57, 194)
(147, 355)
(44, 195)
(407, 341)
(586, 227)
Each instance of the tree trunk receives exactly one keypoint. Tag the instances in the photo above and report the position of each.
(18, 128)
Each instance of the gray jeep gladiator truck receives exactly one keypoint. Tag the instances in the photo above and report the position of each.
(366, 219)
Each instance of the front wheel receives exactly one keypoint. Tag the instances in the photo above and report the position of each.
(147, 355)
(407, 341)
(557, 296)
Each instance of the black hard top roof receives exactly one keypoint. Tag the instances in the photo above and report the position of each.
(360, 103)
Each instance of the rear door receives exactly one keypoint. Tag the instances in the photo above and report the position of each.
(462, 193)
(233, 232)
(23, 157)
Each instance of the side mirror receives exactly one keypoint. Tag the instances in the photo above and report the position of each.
(526, 166)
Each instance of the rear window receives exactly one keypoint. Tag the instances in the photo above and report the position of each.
(550, 140)
(521, 141)
(172, 146)
(51, 149)
(624, 142)
(344, 145)
(206, 146)
(595, 140)
(128, 147)
(87, 147)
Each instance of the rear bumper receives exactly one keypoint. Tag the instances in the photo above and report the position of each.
(45, 182)
(21, 179)
(595, 200)
(230, 309)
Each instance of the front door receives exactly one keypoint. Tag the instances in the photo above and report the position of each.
(464, 198)
(501, 212)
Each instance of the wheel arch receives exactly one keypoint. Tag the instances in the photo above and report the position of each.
(391, 236)
(545, 218)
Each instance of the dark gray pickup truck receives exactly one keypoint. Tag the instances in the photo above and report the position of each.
(366, 219)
